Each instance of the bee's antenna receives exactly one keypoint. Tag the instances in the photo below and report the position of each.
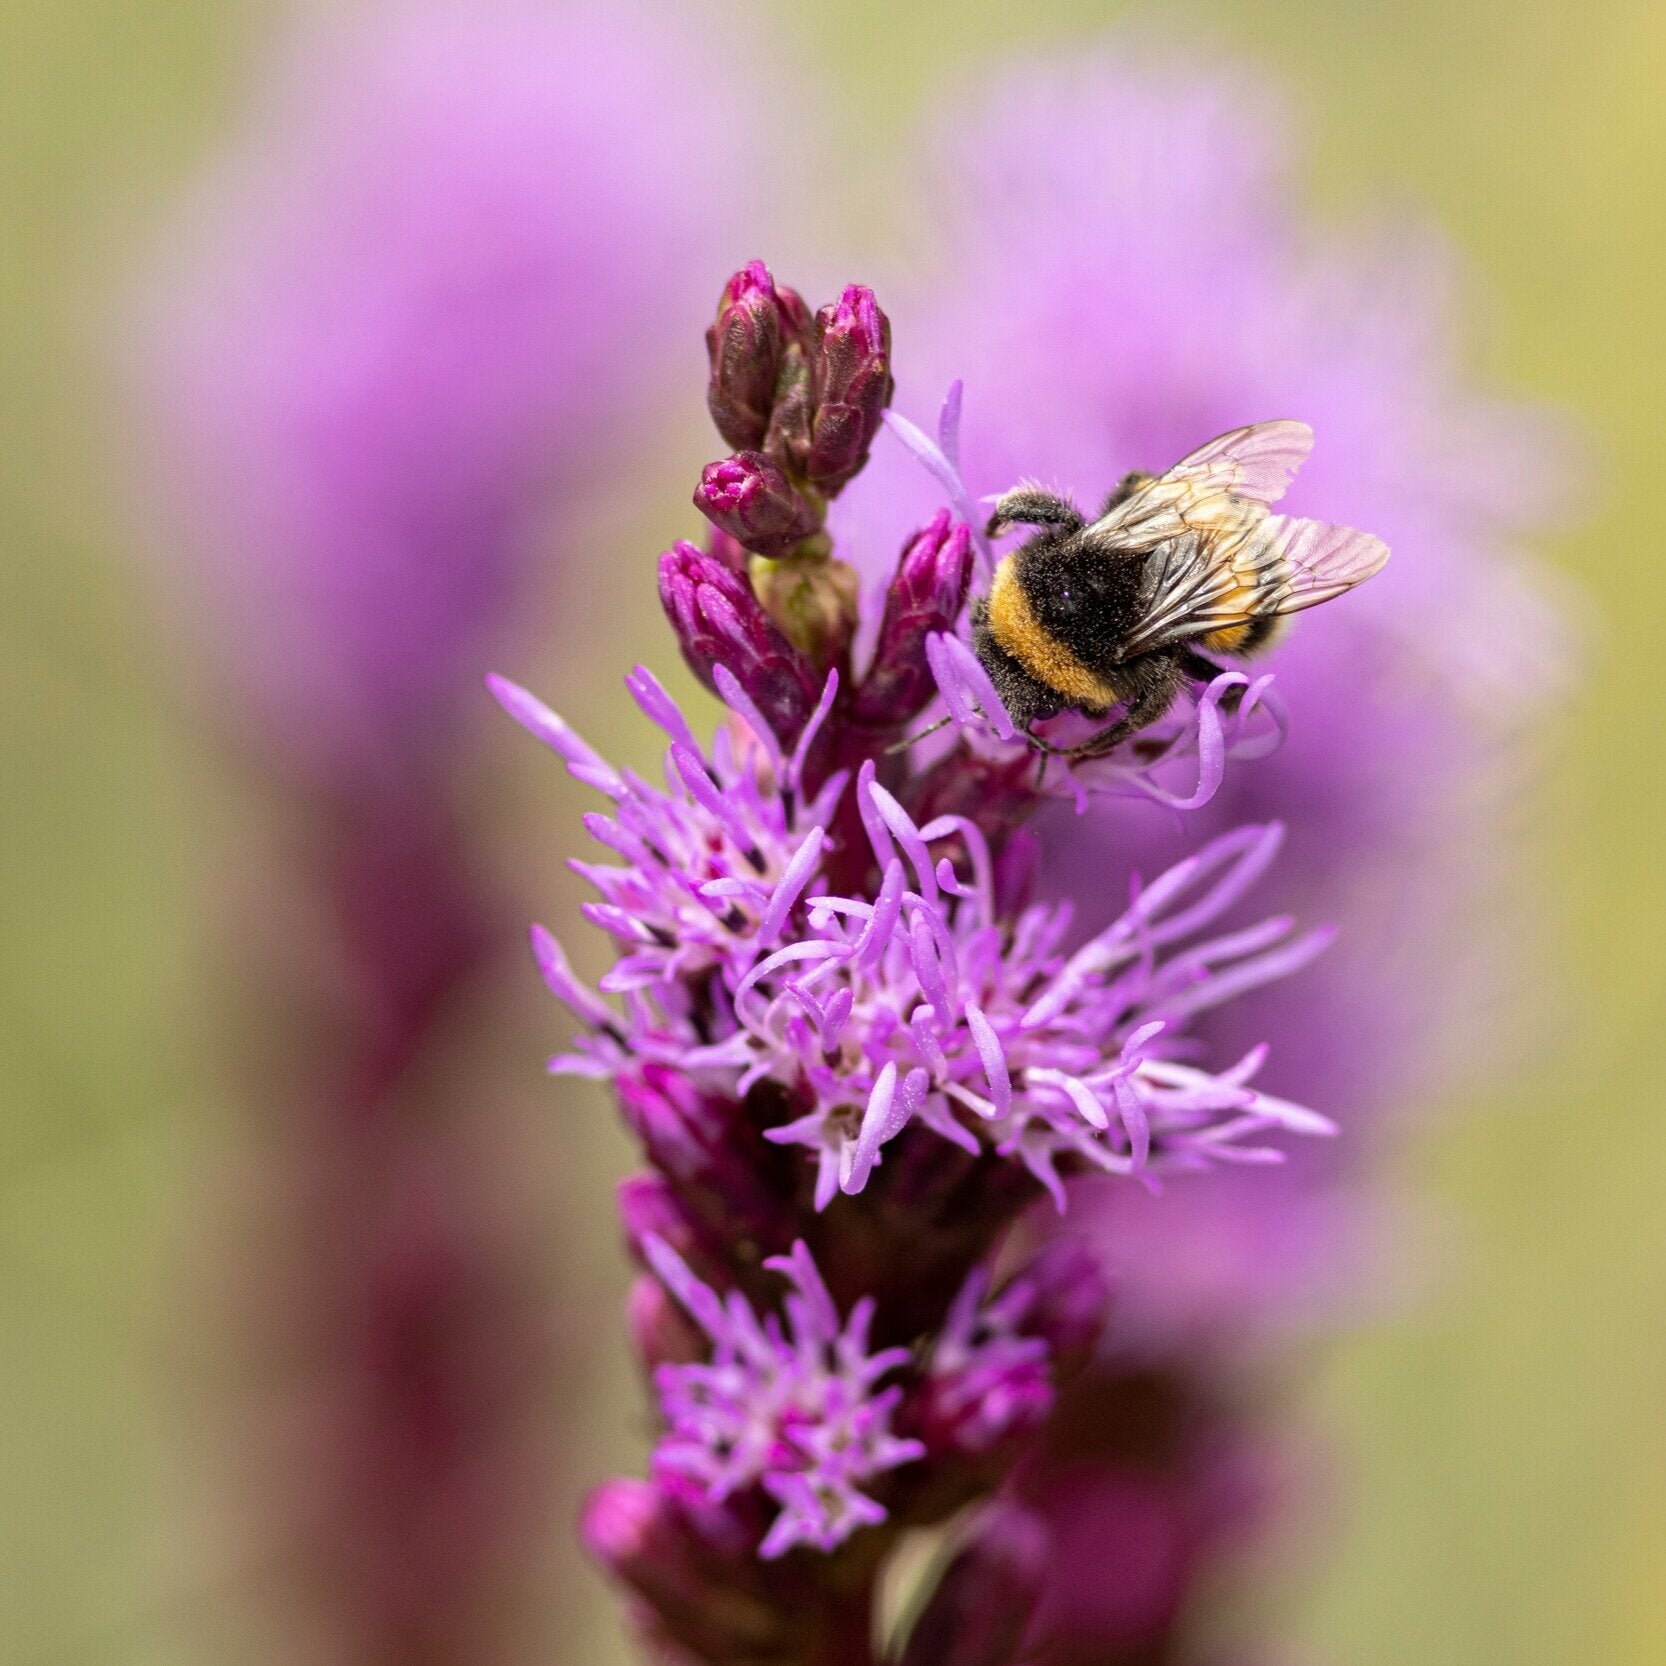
(908, 740)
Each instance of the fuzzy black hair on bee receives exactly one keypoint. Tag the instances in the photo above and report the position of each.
(1123, 611)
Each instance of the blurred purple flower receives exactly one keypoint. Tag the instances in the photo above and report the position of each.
(406, 319)
(409, 313)
(1156, 279)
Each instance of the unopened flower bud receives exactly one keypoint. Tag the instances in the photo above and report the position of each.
(700, 1141)
(926, 595)
(756, 322)
(1068, 1299)
(730, 551)
(660, 1331)
(620, 1523)
(650, 1208)
(643, 1534)
(750, 498)
(981, 1608)
(853, 385)
(720, 621)
(792, 421)
(814, 600)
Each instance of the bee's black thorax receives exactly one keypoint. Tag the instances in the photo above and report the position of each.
(1081, 594)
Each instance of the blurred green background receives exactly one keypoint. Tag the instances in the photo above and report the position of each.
(1500, 1443)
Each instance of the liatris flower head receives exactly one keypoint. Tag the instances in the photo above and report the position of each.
(795, 1407)
(858, 1057)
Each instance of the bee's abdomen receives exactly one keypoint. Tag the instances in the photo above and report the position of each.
(1247, 637)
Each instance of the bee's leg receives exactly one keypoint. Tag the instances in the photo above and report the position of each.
(1045, 747)
(919, 734)
(1149, 705)
(1204, 670)
(1034, 506)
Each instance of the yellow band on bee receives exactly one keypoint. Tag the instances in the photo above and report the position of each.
(1228, 640)
(1015, 626)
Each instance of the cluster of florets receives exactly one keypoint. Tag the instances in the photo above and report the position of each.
(921, 1002)
(852, 1050)
(795, 1409)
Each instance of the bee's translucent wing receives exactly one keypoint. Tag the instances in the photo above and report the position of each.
(1257, 462)
(1228, 482)
(1321, 561)
(1278, 564)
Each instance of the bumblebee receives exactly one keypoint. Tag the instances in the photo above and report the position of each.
(1124, 610)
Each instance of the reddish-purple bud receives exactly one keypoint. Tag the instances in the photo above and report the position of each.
(982, 1606)
(853, 385)
(702, 1594)
(719, 621)
(649, 1207)
(700, 1142)
(756, 323)
(660, 1331)
(926, 595)
(729, 551)
(750, 498)
(620, 1524)
(1068, 1300)
(694, 1597)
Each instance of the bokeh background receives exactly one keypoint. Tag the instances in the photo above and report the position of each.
(1496, 1438)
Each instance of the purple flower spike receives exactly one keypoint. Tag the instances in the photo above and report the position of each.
(748, 497)
(925, 598)
(853, 386)
(837, 1017)
(719, 621)
(756, 322)
(981, 1608)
